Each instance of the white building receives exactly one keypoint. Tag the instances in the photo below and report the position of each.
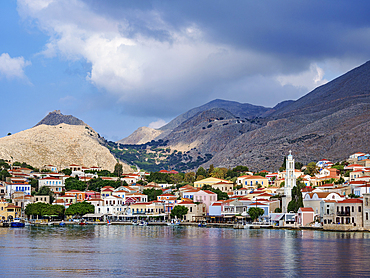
(290, 178)
(11, 188)
(55, 184)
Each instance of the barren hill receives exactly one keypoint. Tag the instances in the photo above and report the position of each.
(60, 145)
(141, 136)
(56, 118)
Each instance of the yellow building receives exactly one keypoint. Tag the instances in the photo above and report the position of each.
(210, 181)
(9, 211)
(255, 181)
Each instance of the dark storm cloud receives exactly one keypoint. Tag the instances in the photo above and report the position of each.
(290, 29)
(182, 54)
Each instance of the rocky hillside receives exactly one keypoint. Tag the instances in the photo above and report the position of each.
(329, 122)
(60, 145)
(141, 136)
(56, 118)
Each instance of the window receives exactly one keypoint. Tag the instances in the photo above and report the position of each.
(353, 209)
(359, 209)
(366, 201)
(367, 216)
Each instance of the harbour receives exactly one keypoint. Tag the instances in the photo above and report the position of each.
(127, 250)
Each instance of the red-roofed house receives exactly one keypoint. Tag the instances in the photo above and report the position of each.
(205, 197)
(305, 216)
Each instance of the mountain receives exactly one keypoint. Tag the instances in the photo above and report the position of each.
(240, 110)
(56, 118)
(330, 122)
(58, 144)
(141, 136)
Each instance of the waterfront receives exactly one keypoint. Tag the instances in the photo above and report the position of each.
(181, 251)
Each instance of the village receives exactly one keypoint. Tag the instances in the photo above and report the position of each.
(320, 195)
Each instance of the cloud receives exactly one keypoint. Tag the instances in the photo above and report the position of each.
(12, 67)
(157, 124)
(166, 58)
(309, 79)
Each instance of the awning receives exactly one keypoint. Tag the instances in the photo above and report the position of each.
(277, 216)
(229, 216)
(92, 215)
(240, 216)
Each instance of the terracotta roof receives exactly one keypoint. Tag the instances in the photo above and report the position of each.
(306, 209)
(209, 192)
(255, 177)
(257, 204)
(320, 195)
(186, 203)
(351, 201)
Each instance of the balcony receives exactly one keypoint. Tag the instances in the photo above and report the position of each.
(343, 213)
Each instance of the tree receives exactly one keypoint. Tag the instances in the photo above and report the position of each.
(311, 169)
(201, 172)
(219, 173)
(351, 195)
(283, 166)
(67, 171)
(255, 213)
(179, 211)
(74, 184)
(297, 200)
(34, 183)
(118, 169)
(152, 193)
(278, 210)
(80, 209)
(210, 170)
(4, 174)
(189, 177)
(159, 177)
(176, 178)
(240, 169)
(42, 209)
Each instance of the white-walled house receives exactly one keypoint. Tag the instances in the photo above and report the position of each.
(55, 184)
(11, 188)
(111, 205)
(314, 199)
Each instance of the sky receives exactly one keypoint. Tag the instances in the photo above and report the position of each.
(120, 65)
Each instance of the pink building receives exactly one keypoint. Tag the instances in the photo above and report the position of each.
(305, 216)
(92, 195)
(205, 197)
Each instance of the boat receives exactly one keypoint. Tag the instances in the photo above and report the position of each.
(17, 223)
(135, 223)
(173, 223)
(62, 223)
(143, 223)
(202, 224)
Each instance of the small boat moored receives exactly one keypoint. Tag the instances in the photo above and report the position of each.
(173, 222)
(17, 223)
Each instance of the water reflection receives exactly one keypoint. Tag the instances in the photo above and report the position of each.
(180, 251)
